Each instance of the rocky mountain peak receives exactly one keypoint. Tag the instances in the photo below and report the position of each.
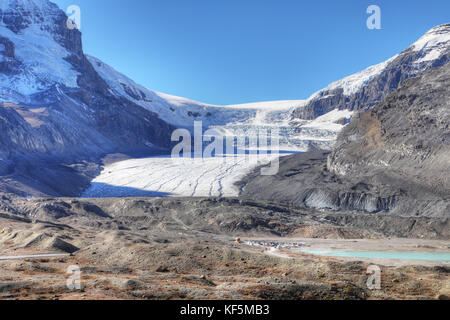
(38, 48)
(39, 16)
(17, 15)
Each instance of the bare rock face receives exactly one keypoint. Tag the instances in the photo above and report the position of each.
(406, 137)
(304, 181)
(7, 62)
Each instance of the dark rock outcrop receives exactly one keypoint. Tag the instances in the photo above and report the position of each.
(304, 181)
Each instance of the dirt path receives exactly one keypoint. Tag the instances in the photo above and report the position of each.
(35, 256)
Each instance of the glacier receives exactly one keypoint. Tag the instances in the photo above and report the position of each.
(49, 64)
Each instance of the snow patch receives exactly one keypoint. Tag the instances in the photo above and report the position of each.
(329, 121)
(353, 83)
(433, 38)
(433, 44)
(283, 105)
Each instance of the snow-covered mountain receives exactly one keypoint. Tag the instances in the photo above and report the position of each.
(35, 48)
(304, 124)
(57, 114)
(365, 89)
(65, 109)
(53, 100)
(182, 112)
(228, 120)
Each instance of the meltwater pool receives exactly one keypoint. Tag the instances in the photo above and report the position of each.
(402, 255)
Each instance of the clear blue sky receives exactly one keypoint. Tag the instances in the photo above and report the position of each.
(237, 51)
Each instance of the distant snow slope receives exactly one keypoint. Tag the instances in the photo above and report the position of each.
(182, 112)
(226, 120)
(354, 82)
(269, 105)
(433, 44)
(231, 120)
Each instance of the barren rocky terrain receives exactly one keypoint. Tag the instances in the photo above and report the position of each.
(186, 249)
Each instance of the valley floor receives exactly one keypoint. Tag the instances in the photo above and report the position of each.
(185, 248)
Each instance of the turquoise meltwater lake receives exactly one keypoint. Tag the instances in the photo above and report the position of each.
(418, 256)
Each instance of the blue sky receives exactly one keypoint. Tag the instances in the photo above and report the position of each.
(238, 51)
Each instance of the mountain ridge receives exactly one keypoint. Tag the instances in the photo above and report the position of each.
(353, 93)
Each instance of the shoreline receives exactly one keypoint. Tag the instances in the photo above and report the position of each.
(375, 245)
